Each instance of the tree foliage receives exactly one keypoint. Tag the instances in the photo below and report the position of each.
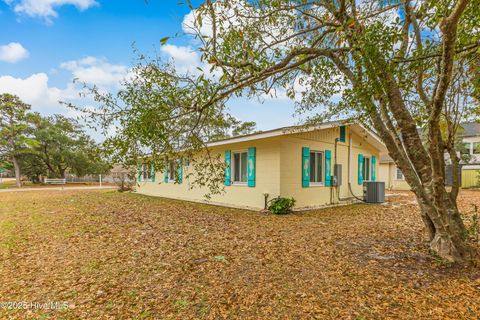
(13, 131)
(62, 146)
(38, 146)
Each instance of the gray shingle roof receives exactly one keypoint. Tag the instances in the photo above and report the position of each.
(470, 129)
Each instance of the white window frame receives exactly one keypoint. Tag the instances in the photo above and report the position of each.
(322, 182)
(365, 157)
(146, 171)
(397, 170)
(186, 162)
(170, 171)
(473, 147)
(232, 169)
(469, 148)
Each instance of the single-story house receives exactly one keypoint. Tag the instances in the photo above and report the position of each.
(317, 166)
(470, 175)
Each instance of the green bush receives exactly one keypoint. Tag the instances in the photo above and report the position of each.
(281, 205)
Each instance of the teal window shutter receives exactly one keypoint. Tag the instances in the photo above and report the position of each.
(360, 169)
(179, 171)
(305, 167)
(152, 173)
(228, 156)
(343, 133)
(251, 166)
(374, 161)
(328, 168)
(166, 172)
(139, 172)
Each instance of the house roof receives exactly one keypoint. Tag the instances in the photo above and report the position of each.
(358, 128)
(470, 129)
(385, 158)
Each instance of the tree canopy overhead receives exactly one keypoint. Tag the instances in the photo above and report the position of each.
(395, 65)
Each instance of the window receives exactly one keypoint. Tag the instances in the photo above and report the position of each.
(343, 133)
(239, 167)
(366, 168)
(316, 167)
(146, 172)
(476, 148)
(465, 148)
(399, 175)
(172, 168)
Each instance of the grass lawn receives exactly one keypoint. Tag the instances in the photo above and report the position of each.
(127, 256)
(10, 184)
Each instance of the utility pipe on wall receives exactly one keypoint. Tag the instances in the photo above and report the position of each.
(349, 167)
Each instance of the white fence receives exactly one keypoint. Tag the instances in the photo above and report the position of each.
(74, 179)
(54, 181)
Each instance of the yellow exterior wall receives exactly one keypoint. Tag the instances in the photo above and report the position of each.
(470, 178)
(384, 175)
(290, 166)
(267, 179)
(388, 173)
(278, 172)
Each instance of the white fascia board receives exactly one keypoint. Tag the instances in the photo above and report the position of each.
(273, 133)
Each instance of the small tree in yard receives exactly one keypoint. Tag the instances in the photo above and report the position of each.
(124, 177)
(394, 64)
(13, 131)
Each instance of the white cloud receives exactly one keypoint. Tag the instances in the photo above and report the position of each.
(190, 26)
(186, 59)
(46, 8)
(13, 52)
(35, 91)
(92, 70)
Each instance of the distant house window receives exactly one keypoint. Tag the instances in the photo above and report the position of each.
(366, 168)
(476, 148)
(239, 167)
(172, 168)
(465, 148)
(400, 175)
(316, 167)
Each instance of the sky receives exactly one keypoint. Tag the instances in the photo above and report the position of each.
(45, 44)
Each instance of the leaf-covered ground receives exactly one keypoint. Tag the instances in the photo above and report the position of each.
(127, 256)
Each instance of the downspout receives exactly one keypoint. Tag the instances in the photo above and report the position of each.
(349, 165)
(337, 187)
(348, 169)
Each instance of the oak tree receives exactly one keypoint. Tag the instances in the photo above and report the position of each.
(13, 131)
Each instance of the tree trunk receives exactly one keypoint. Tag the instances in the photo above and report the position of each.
(449, 237)
(16, 167)
(62, 172)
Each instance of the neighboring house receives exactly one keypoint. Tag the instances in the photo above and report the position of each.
(120, 173)
(471, 146)
(394, 179)
(287, 162)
